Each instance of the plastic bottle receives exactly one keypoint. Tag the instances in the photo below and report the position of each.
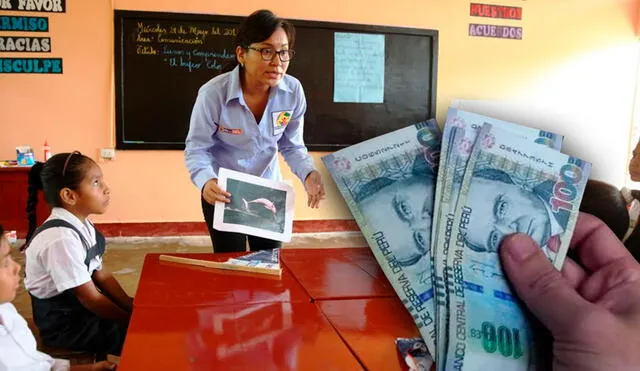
(47, 151)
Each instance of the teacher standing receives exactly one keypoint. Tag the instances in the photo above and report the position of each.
(242, 118)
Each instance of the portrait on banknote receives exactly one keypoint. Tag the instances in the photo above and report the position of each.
(388, 184)
(259, 207)
(500, 207)
(401, 200)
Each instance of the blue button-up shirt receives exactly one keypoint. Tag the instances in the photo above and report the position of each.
(223, 131)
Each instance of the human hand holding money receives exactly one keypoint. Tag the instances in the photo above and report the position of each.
(493, 180)
(593, 312)
(510, 185)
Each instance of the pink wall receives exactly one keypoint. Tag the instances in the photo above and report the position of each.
(75, 110)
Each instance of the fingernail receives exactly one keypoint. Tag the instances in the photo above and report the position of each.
(519, 247)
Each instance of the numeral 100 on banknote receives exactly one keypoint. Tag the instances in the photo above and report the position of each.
(565, 192)
(504, 340)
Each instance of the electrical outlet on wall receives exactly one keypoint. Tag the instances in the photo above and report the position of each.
(107, 153)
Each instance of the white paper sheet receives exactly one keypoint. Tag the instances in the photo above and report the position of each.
(259, 207)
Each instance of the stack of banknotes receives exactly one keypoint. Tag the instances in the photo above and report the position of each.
(434, 207)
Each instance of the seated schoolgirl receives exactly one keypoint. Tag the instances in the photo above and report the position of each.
(76, 304)
(17, 343)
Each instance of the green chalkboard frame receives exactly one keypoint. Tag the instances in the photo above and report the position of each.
(416, 77)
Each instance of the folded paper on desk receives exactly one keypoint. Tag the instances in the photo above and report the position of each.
(265, 262)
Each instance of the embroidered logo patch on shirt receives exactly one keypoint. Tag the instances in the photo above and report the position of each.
(229, 130)
(281, 119)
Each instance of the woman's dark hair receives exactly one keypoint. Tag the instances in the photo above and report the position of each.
(63, 170)
(608, 204)
(258, 27)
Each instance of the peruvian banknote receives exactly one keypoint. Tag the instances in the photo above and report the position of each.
(459, 136)
(510, 185)
(388, 183)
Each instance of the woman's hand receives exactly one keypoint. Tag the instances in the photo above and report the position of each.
(315, 189)
(212, 192)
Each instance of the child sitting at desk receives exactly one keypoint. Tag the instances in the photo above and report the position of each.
(16, 340)
(77, 305)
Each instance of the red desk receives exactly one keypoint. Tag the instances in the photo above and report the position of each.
(268, 336)
(370, 327)
(193, 318)
(337, 273)
(363, 257)
(173, 284)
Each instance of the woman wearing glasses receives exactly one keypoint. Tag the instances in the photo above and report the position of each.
(242, 118)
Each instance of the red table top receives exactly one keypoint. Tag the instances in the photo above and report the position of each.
(267, 336)
(174, 284)
(337, 273)
(370, 328)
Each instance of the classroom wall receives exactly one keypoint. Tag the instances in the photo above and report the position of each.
(574, 72)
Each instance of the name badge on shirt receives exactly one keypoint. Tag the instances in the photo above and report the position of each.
(224, 130)
(280, 121)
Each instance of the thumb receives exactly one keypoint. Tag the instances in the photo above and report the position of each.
(541, 286)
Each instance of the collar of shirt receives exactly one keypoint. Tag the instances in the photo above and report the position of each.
(85, 227)
(7, 316)
(234, 90)
(19, 348)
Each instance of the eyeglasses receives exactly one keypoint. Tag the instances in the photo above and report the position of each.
(268, 54)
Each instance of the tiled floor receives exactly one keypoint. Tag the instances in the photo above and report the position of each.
(124, 256)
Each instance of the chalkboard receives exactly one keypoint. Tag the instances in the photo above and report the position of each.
(162, 59)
